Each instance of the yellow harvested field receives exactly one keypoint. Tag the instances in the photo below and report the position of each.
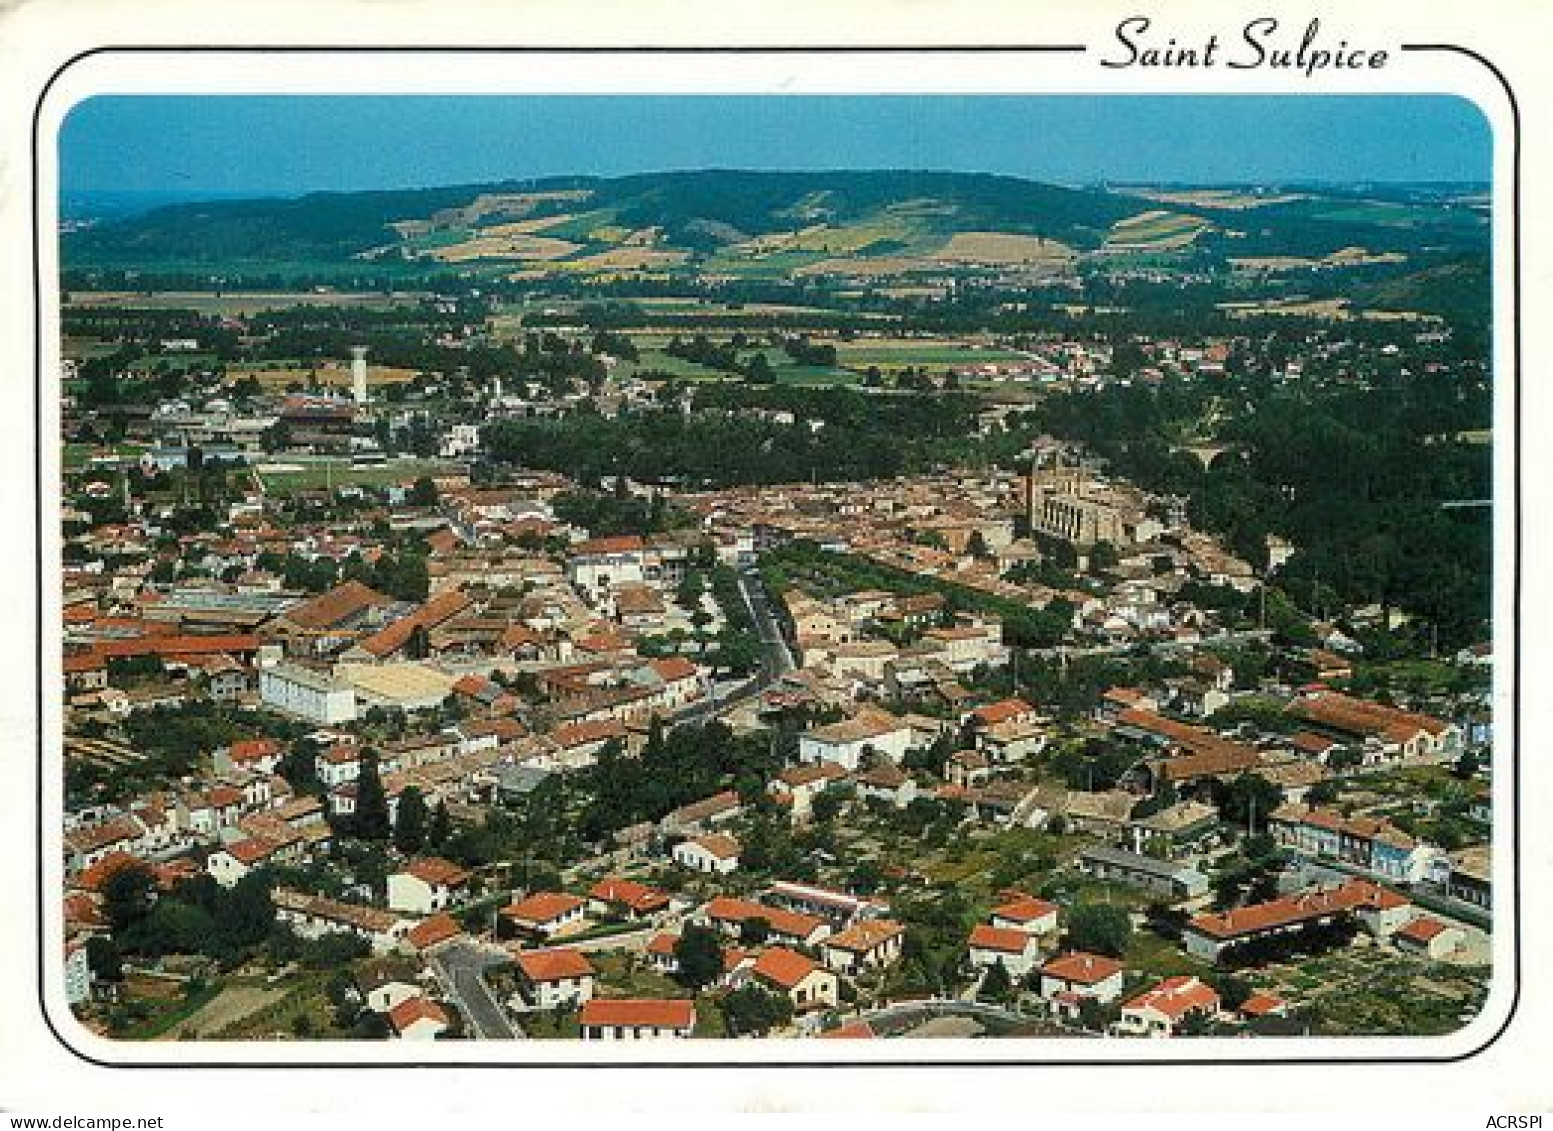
(820, 238)
(1274, 263)
(1362, 257)
(1345, 257)
(336, 373)
(883, 265)
(1003, 247)
(1156, 230)
(627, 259)
(517, 246)
(527, 227)
(1333, 308)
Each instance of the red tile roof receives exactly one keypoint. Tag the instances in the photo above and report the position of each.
(443, 607)
(783, 967)
(620, 544)
(674, 668)
(789, 923)
(253, 749)
(1262, 1004)
(1176, 997)
(638, 897)
(414, 1009)
(1002, 939)
(553, 965)
(1424, 929)
(1298, 908)
(338, 604)
(1026, 909)
(435, 870)
(1082, 968)
(438, 929)
(852, 1030)
(177, 645)
(993, 713)
(542, 907)
(865, 935)
(656, 1013)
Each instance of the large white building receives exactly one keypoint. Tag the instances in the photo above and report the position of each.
(845, 742)
(314, 696)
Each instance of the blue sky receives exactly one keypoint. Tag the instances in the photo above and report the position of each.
(292, 144)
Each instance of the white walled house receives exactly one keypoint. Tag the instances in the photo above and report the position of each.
(636, 1019)
(561, 978)
(426, 886)
(1016, 951)
(846, 743)
(1081, 975)
(714, 854)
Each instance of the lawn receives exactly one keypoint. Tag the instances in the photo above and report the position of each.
(623, 975)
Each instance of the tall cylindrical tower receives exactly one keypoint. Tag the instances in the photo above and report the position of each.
(359, 373)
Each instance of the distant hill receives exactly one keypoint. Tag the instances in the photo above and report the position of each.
(753, 223)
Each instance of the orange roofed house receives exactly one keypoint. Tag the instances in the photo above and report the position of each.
(1016, 951)
(804, 982)
(1160, 1011)
(866, 945)
(554, 979)
(1069, 978)
(636, 1019)
(1381, 911)
(543, 914)
(627, 899)
(425, 886)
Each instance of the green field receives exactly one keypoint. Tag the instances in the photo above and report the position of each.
(340, 473)
(242, 302)
(899, 353)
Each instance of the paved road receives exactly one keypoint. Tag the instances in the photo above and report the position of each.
(777, 661)
(461, 969)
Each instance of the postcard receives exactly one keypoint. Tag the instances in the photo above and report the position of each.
(988, 550)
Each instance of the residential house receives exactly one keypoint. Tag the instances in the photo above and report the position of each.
(870, 944)
(560, 978)
(1070, 978)
(626, 899)
(806, 983)
(543, 914)
(1026, 913)
(847, 743)
(1016, 951)
(418, 1019)
(1429, 937)
(1162, 1010)
(788, 927)
(385, 984)
(714, 853)
(426, 886)
(635, 1019)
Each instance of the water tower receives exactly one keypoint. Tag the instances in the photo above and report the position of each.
(359, 373)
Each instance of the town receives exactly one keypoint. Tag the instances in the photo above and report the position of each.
(457, 666)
